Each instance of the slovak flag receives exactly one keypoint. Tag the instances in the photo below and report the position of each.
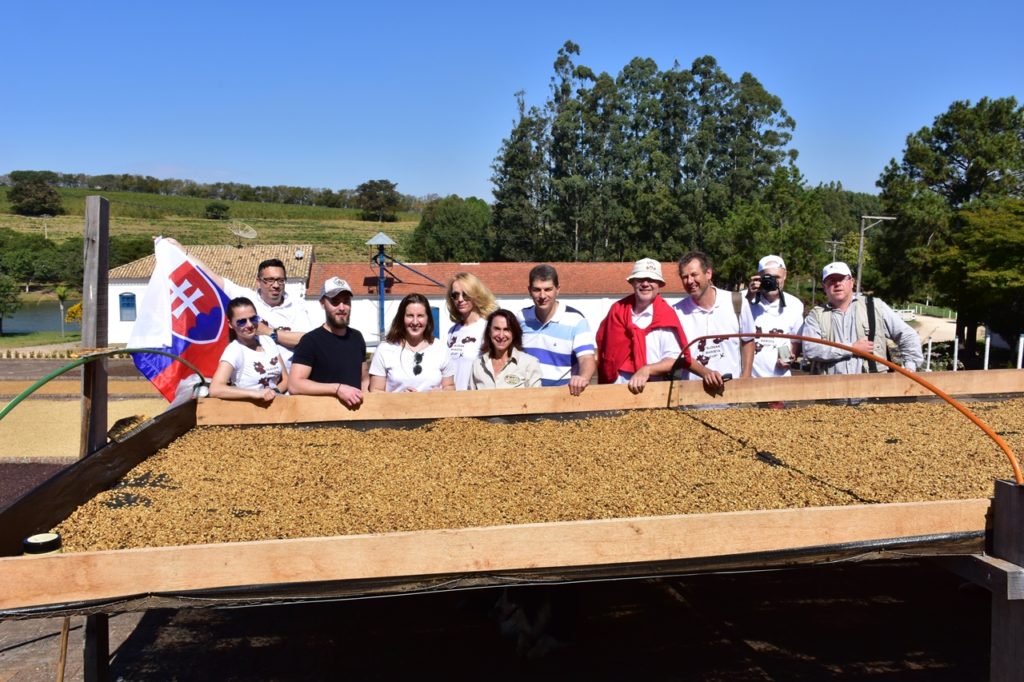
(182, 312)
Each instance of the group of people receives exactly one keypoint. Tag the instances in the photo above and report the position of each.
(275, 347)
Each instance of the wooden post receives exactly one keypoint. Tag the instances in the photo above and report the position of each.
(94, 324)
(96, 666)
(1007, 650)
(94, 395)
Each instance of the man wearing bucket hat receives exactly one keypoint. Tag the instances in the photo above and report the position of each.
(863, 322)
(330, 360)
(707, 313)
(640, 339)
(769, 309)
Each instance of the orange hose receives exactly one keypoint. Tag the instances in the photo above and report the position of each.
(996, 438)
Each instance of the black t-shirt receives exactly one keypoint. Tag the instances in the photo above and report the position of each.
(332, 358)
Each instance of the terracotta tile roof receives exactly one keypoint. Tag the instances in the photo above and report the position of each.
(236, 263)
(504, 279)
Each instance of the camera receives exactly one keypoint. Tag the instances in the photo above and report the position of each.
(769, 283)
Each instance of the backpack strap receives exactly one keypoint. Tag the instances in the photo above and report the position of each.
(870, 306)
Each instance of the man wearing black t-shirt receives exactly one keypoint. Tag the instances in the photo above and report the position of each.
(329, 360)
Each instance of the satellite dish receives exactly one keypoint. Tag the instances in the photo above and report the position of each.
(242, 231)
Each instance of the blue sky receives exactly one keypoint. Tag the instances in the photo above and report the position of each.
(331, 94)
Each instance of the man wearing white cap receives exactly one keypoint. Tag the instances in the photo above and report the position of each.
(330, 360)
(770, 310)
(708, 312)
(865, 323)
(640, 339)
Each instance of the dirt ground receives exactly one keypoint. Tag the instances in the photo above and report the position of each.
(873, 622)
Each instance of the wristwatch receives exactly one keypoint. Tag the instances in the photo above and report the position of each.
(273, 335)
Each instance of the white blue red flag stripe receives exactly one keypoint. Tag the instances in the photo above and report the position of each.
(182, 312)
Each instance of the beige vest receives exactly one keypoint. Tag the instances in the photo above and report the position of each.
(881, 343)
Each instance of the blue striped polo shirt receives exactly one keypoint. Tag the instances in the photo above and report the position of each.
(558, 343)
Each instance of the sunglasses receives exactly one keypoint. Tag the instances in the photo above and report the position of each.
(242, 321)
(417, 362)
(456, 295)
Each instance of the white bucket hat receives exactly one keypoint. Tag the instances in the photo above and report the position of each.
(647, 268)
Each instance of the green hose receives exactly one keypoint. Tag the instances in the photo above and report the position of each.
(90, 358)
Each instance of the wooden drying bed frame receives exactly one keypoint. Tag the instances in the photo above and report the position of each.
(399, 562)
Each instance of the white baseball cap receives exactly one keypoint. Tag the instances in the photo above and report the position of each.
(334, 286)
(646, 268)
(837, 268)
(770, 262)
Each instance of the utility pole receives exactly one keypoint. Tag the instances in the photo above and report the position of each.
(864, 227)
(834, 243)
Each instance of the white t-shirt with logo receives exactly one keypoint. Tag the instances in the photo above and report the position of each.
(250, 368)
(766, 317)
(464, 345)
(721, 355)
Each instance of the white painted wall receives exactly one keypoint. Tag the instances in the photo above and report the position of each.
(364, 309)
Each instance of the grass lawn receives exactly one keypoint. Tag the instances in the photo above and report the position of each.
(24, 339)
(337, 234)
(335, 240)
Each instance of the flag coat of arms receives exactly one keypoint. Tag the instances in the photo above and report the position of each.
(182, 312)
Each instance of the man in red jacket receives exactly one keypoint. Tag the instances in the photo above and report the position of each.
(640, 339)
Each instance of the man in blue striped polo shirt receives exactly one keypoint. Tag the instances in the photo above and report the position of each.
(557, 335)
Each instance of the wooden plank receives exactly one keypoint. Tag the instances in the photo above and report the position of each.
(94, 324)
(51, 502)
(58, 579)
(394, 406)
(999, 577)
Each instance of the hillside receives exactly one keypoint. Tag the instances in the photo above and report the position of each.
(337, 233)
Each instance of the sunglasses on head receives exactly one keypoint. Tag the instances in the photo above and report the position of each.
(242, 321)
(417, 360)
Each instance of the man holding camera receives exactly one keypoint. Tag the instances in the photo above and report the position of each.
(770, 310)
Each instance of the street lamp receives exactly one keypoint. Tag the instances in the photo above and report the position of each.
(864, 227)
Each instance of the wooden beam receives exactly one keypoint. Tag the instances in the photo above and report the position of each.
(66, 578)
(94, 324)
(394, 406)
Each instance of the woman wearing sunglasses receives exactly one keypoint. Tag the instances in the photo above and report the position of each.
(251, 367)
(469, 303)
(503, 363)
(409, 360)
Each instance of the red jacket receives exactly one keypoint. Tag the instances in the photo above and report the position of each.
(623, 345)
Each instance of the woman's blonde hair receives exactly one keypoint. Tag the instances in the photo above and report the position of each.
(479, 294)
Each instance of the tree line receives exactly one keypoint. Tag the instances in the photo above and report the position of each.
(648, 162)
(653, 162)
